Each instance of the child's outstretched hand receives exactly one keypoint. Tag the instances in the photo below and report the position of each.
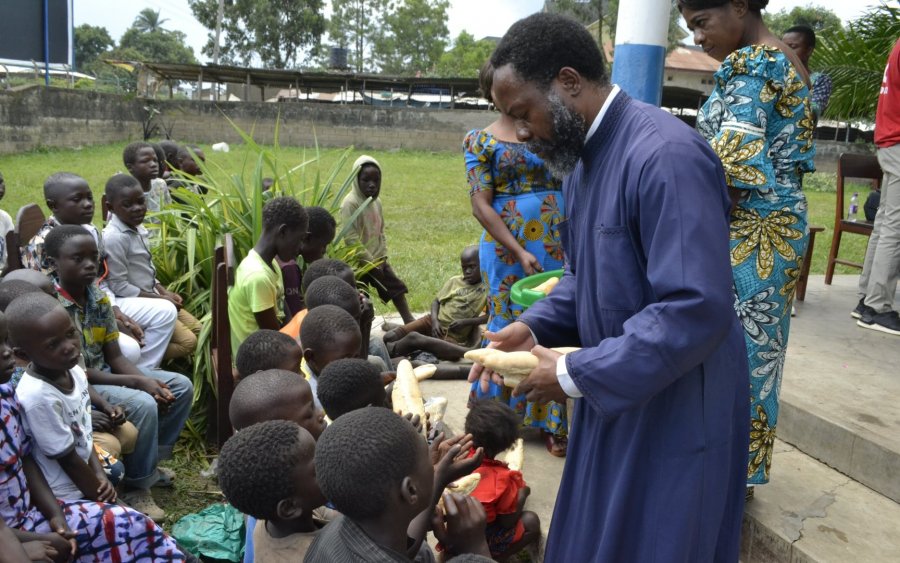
(415, 420)
(461, 526)
(454, 462)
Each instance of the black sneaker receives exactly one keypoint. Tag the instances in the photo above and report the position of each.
(888, 322)
(861, 310)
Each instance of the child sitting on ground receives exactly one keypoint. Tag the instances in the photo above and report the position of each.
(368, 229)
(455, 314)
(187, 157)
(131, 270)
(267, 349)
(376, 470)
(329, 334)
(502, 491)
(56, 400)
(157, 402)
(350, 384)
(96, 531)
(71, 202)
(256, 300)
(268, 471)
(322, 228)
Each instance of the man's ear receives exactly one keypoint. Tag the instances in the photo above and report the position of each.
(409, 491)
(310, 356)
(740, 7)
(289, 509)
(570, 81)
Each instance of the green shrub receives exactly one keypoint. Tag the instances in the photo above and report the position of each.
(189, 232)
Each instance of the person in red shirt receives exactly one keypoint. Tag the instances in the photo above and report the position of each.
(501, 491)
(878, 282)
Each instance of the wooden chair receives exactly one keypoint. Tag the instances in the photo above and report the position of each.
(105, 210)
(807, 260)
(850, 166)
(29, 221)
(221, 339)
(13, 257)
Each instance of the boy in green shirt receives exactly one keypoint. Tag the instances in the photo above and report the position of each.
(255, 301)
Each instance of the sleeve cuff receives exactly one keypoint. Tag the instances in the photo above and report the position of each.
(565, 380)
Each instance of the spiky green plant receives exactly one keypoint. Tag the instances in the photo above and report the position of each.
(190, 230)
(854, 58)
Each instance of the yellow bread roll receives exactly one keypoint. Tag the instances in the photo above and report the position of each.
(515, 456)
(406, 395)
(425, 371)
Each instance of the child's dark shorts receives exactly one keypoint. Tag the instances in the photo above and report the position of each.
(385, 282)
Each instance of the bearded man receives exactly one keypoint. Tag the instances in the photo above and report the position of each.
(658, 450)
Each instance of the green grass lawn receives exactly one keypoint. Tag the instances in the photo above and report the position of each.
(428, 222)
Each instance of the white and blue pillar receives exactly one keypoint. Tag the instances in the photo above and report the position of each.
(640, 53)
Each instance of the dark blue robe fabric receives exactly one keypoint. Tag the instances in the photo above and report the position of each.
(658, 448)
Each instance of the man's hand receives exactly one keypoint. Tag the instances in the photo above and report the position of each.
(155, 388)
(513, 337)
(542, 385)
(461, 526)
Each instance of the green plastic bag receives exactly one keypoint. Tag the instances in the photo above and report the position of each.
(216, 532)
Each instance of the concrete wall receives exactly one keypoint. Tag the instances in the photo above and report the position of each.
(36, 117)
(332, 125)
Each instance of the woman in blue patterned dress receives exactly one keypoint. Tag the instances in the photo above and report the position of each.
(520, 205)
(759, 121)
(98, 531)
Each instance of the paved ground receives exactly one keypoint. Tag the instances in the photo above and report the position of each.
(839, 405)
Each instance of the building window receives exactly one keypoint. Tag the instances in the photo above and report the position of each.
(669, 78)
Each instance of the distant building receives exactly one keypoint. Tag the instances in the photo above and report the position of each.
(690, 68)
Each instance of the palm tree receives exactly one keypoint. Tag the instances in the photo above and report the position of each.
(148, 21)
(854, 58)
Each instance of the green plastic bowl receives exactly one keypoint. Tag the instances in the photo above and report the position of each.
(522, 292)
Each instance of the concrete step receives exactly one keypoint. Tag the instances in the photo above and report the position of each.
(810, 512)
(840, 388)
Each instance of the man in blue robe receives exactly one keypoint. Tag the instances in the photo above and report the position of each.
(658, 449)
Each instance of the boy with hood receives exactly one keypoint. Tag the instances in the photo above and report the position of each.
(368, 229)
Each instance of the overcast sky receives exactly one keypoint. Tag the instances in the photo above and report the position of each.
(479, 17)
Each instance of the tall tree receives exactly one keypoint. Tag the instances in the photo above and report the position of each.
(465, 58)
(148, 21)
(855, 58)
(414, 35)
(354, 25)
(274, 33)
(90, 42)
(819, 18)
(159, 46)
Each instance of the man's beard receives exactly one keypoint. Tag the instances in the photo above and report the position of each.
(562, 154)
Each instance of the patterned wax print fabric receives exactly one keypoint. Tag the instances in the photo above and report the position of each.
(104, 532)
(759, 121)
(529, 200)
